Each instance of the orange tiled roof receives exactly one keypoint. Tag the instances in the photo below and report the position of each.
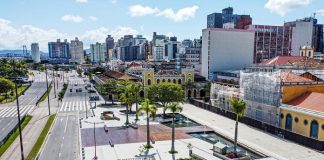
(167, 72)
(291, 77)
(280, 60)
(309, 100)
(117, 75)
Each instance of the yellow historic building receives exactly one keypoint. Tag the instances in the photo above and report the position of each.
(302, 109)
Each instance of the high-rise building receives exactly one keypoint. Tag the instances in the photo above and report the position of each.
(224, 49)
(110, 43)
(187, 43)
(217, 20)
(59, 50)
(98, 53)
(171, 48)
(76, 51)
(35, 52)
(158, 50)
(271, 41)
(306, 31)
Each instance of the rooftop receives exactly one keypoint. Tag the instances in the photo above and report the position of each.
(309, 100)
(280, 60)
(291, 77)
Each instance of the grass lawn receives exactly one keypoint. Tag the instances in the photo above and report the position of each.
(44, 96)
(32, 155)
(13, 136)
(20, 90)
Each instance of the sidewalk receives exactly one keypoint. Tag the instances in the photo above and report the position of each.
(253, 138)
(33, 129)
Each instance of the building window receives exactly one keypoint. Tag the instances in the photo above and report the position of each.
(174, 81)
(281, 116)
(179, 81)
(149, 82)
(305, 122)
(296, 119)
(163, 80)
(309, 54)
(158, 81)
(169, 80)
(288, 125)
(258, 113)
(314, 129)
(322, 126)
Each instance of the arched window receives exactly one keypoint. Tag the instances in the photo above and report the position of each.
(149, 82)
(314, 129)
(158, 81)
(288, 125)
(163, 80)
(302, 53)
(169, 80)
(174, 81)
(195, 94)
(179, 81)
(309, 54)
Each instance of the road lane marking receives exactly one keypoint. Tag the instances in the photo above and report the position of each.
(66, 124)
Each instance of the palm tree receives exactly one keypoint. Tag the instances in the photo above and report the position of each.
(150, 110)
(174, 108)
(128, 99)
(239, 107)
(135, 89)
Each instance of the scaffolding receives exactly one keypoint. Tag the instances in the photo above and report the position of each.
(221, 94)
(262, 91)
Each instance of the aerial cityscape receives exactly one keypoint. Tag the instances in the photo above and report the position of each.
(162, 80)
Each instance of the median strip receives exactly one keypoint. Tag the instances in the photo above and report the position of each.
(14, 135)
(44, 96)
(34, 152)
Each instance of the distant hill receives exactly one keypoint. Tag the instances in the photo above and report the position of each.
(18, 51)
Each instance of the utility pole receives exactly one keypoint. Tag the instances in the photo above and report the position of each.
(48, 102)
(19, 122)
(53, 80)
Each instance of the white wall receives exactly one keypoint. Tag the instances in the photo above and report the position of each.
(301, 35)
(229, 50)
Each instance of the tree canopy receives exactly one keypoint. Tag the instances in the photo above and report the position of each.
(6, 85)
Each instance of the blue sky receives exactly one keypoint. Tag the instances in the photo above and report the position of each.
(27, 21)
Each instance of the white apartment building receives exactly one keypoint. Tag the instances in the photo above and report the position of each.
(225, 49)
(98, 52)
(76, 51)
(35, 52)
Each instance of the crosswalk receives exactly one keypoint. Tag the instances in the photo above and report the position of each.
(69, 106)
(78, 81)
(12, 111)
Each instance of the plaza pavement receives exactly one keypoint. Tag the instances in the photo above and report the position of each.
(130, 150)
(266, 143)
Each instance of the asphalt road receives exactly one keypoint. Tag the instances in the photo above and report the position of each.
(63, 141)
(27, 103)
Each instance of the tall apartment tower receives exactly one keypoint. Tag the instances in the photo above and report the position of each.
(35, 52)
(306, 31)
(76, 51)
(98, 52)
(59, 50)
(110, 44)
(218, 20)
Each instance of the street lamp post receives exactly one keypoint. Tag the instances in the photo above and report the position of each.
(48, 102)
(19, 121)
(53, 77)
(94, 136)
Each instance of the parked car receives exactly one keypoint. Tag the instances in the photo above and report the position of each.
(91, 91)
(94, 98)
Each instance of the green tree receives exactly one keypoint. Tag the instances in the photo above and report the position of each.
(239, 107)
(165, 93)
(127, 98)
(6, 85)
(109, 87)
(135, 89)
(149, 110)
(174, 108)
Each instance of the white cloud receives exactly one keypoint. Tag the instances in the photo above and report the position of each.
(181, 15)
(72, 18)
(282, 7)
(81, 1)
(142, 27)
(139, 10)
(15, 38)
(169, 34)
(122, 30)
(320, 12)
(93, 18)
(178, 16)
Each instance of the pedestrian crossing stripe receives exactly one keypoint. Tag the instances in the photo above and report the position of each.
(12, 111)
(68, 106)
